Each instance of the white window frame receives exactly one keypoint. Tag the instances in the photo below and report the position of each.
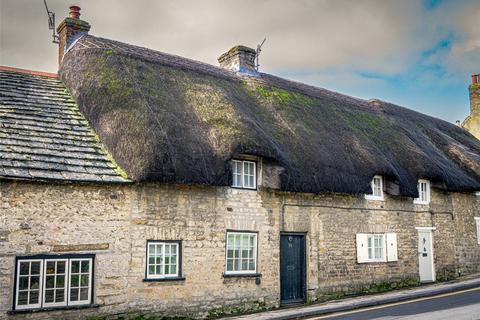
(42, 283)
(477, 225)
(423, 197)
(79, 302)
(243, 175)
(65, 288)
(383, 256)
(163, 243)
(372, 196)
(255, 250)
(40, 286)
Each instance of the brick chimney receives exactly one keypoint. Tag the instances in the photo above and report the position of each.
(239, 59)
(69, 30)
(474, 89)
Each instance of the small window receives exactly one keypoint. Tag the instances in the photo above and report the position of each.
(477, 223)
(53, 282)
(163, 259)
(423, 192)
(377, 189)
(376, 247)
(244, 174)
(241, 256)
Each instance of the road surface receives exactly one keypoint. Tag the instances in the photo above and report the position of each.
(460, 305)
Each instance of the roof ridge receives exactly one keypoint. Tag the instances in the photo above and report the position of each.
(29, 72)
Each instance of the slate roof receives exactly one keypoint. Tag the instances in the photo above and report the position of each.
(170, 119)
(43, 135)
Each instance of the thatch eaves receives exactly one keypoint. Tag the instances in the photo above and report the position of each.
(170, 119)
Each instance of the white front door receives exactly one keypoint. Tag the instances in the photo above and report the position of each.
(425, 255)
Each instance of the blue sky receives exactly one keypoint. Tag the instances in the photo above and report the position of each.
(415, 53)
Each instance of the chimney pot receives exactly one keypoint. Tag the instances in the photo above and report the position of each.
(75, 12)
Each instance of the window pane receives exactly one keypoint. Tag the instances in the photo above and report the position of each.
(35, 268)
(34, 296)
(24, 268)
(50, 267)
(60, 282)
(60, 295)
(35, 282)
(74, 282)
(229, 264)
(23, 283)
(84, 280)
(61, 267)
(49, 281)
(75, 266)
(74, 294)
(49, 295)
(151, 249)
(23, 298)
(85, 266)
(84, 294)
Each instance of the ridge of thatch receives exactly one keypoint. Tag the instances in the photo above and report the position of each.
(170, 119)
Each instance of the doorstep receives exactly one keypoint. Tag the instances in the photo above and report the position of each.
(468, 282)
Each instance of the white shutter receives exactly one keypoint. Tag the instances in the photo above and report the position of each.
(477, 222)
(362, 248)
(392, 254)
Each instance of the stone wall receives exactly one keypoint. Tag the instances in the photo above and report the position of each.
(114, 222)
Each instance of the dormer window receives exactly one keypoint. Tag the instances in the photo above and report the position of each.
(244, 174)
(377, 189)
(423, 192)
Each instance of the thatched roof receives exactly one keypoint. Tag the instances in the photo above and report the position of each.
(43, 135)
(170, 119)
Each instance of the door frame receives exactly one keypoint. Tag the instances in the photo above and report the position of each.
(305, 268)
(430, 231)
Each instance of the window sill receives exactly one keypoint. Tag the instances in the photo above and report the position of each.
(243, 188)
(165, 279)
(63, 308)
(373, 198)
(421, 203)
(242, 275)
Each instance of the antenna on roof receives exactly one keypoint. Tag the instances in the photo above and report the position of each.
(259, 49)
(51, 23)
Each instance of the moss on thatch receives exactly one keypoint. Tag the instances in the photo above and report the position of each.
(170, 119)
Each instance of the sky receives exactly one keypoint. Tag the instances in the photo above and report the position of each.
(415, 53)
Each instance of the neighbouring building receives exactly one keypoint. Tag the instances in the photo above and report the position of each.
(145, 183)
(472, 122)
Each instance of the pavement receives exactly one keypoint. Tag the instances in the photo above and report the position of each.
(472, 281)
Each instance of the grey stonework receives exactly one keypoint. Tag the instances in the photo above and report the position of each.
(114, 222)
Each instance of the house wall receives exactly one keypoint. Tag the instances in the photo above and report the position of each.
(114, 222)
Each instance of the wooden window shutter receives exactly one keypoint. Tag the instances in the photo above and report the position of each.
(362, 248)
(391, 244)
(477, 223)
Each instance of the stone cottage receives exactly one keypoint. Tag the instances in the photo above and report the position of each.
(138, 182)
